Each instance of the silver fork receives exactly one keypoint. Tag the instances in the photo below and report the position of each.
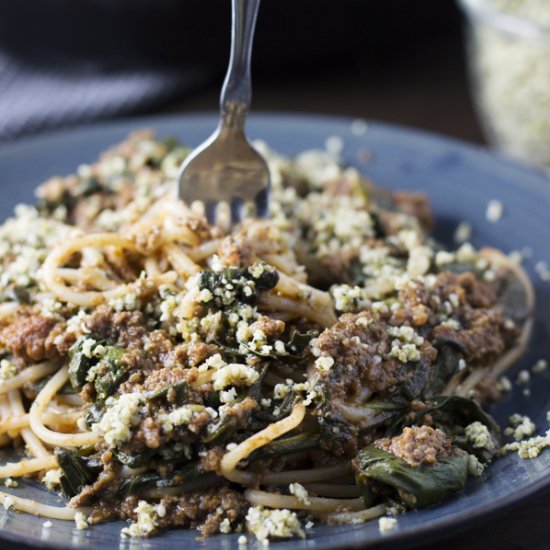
(226, 167)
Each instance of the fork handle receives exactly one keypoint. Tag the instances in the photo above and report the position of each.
(236, 92)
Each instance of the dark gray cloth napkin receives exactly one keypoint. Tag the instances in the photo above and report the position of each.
(38, 97)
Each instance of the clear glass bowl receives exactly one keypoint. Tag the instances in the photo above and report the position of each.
(509, 60)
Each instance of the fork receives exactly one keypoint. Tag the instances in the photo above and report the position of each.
(226, 168)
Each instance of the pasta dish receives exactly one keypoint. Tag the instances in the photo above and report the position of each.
(328, 363)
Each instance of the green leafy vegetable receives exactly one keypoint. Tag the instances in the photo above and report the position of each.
(107, 379)
(381, 473)
(135, 461)
(237, 284)
(287, 446)
(77, 471)
(79, 364)
(171, 393)
(228, 424)
(138, 484)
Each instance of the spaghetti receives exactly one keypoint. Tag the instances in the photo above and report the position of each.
(160, 370)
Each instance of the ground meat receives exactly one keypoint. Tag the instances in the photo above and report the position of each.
(90, 492)
(477, 294)
(484, 337)
(417, 445)
(241, 409)
(193, 354)
(477, 327)
(359, 345)
(144, 350)
(235, 251)
(148, 240)
(148, 434)
(204, 509)
(416, 205)
(272, 328)
(167, 376)
(119, 328)
(32, 337)
(202, 229)
(210, 461)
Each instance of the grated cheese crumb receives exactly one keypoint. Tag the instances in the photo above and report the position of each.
(528, 448)
(520, 427)
(324, 363)
(225, 526)
(121, 415)
(386, 524)
(543, 271)
(494, 211)
(182, 416)
(234, 374)
(47, 524)
(478, 434)
(7, 369)
(540, 366)
(358, 127)
(9, 482)
(523, 377)
(81, 521)
(475, 467)
(504, 384)
(146, 522)
(277, 523)
(300, 492)
(52, 478)
(463, 232)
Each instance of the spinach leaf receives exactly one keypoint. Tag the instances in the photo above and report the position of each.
(228, 424)
(237, 284)
(171, 393)
(381, 473)
(107, 382)
(77, 471)
(149, 480)
(108, 379)
(287, 446)
(79, 364)
(135, 461)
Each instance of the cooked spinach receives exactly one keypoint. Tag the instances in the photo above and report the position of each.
(171, 393)
(135, 461)
(78, 471)
(138, 484)
(107, 379)
(79, 364)
(380, 473)
(228, 424)
(287, 446)
(236, 285)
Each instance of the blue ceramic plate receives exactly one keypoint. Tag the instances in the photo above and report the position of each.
(460, 180)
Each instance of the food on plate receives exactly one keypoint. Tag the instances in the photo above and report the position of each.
(328, 363)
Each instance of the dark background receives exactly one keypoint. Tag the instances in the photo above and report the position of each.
(395, 60)
(400, 61)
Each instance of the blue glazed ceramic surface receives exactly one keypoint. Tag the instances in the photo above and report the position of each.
(460, 181)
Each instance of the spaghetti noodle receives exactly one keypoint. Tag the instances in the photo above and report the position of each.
(163, 371)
